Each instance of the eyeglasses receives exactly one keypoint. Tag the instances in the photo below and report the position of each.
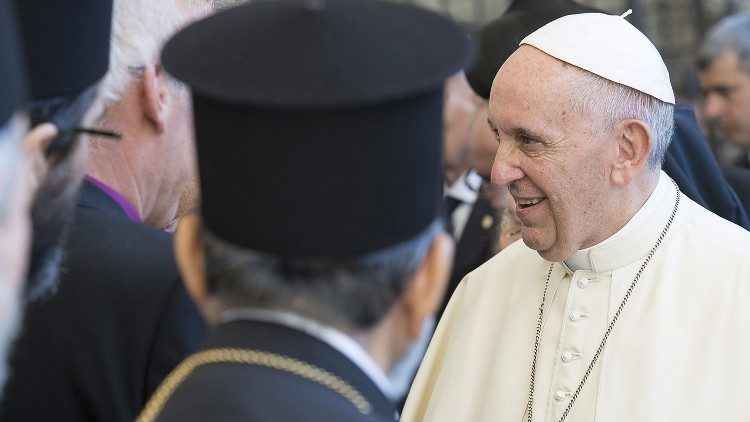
(66, 113)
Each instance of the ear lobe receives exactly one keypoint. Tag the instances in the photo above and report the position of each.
(424, 292)
(634, 145)
(155, 96)
(189, 256)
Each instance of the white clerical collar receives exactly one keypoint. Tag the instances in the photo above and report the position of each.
(331, 336)
(465, 188)
(633, 240)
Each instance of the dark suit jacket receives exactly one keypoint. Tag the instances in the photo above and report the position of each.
(691, 163)
(739, 179)
(224, 392)
(475, 245)
(120, 321)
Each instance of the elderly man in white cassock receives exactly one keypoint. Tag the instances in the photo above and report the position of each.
(626, 301)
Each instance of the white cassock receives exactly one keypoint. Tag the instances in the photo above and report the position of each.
(680, 351)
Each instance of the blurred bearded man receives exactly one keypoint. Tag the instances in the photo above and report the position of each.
(625, 298)
(66, 52)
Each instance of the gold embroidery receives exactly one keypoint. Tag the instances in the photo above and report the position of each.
(250, 357)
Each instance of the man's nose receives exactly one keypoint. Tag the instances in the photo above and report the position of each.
(713, 106)
(505, 169)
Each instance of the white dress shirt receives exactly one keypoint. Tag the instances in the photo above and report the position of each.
(466, 190)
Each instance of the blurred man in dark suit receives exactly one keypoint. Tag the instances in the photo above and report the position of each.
(724, 64)
(66, 54)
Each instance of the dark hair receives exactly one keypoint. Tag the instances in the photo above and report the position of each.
(732, 33)
(354, 292)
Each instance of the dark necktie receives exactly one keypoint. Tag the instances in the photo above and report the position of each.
(449, 205)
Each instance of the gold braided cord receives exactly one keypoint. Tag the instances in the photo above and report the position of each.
(250, 357)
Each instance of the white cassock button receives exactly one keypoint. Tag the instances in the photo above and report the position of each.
(567, 357)
(583, 282)
(576, 316)
(560, 395)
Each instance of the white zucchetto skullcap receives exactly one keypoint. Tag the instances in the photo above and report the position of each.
(609, 46)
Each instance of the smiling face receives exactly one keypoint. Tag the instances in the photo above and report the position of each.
(555, 160)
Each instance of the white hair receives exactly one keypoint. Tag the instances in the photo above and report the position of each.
(611, 103)
(139, 30)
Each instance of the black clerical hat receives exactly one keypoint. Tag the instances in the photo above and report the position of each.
(65, 44)
(11, 86)
(318, 122)
(499, 38)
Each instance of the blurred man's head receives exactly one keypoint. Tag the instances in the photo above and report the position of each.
(320, 185)
(459, 106)
(579, 152)
(66, 48)
(724, 64)
(483, 143)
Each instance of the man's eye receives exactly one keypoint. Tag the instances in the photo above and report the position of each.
(721, 91)
(526, 141)
(724, 92)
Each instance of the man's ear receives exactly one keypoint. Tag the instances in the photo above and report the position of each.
(634, 145)
(425, 291)
(155, 95)
(189, 255)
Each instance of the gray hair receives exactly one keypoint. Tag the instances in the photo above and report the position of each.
(355, 292)
(731, 34)
(611, 103)
(139, 30)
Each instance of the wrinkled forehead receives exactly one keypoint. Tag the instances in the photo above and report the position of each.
(531, 81)
(531, 70)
